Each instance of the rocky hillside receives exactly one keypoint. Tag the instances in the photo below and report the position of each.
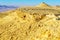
(30, 23)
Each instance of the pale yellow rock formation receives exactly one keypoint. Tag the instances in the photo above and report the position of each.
(31, 24)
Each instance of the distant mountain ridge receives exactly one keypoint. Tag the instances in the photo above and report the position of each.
(5, 8)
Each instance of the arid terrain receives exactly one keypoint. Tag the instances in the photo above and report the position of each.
(40, 22)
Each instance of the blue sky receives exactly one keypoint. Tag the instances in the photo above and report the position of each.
(28, 2)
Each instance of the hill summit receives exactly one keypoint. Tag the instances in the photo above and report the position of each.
(43, 4)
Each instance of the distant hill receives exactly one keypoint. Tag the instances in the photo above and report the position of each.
(5, 8)
(43, 5)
